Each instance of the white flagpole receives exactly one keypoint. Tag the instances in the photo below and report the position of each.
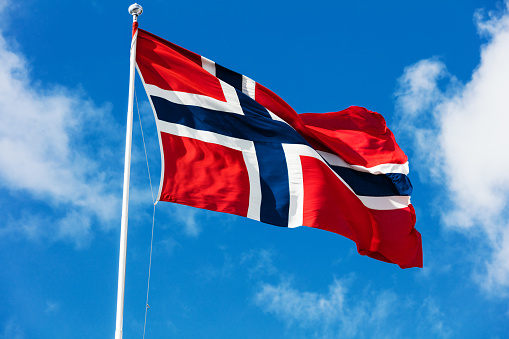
(135, 10)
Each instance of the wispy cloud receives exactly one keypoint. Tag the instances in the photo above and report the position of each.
(183, 218)
(432, 319)
(11, 330)
(460, 136)
(259, 262)
(51, 307)
(167, 246)
(342, 313)
(52, 152)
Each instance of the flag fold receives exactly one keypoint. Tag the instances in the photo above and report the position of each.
(229, 144)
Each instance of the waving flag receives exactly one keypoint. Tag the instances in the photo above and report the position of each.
(228, 144)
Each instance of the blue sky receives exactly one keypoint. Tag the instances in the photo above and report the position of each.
(436, 70)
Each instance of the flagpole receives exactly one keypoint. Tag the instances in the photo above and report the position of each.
(135, 10)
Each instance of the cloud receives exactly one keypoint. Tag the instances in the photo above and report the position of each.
(167, 246)
(259, 262)
(345, 313)
(432, 318)
(11, 330)
(51, 307)
(189, 220)
(183, 218)
(460, 137)
(54, 154)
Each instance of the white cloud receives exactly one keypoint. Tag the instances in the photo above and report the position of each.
(51, 307)
(460, 135)
(345, 313)
(189, 221)
(184, 218)
(259, 262)
(432, 319)
(167, 246)
(50, 153)
(11, 330)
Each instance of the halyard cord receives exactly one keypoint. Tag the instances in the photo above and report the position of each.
(149, 267)
(144, 148)
(153, 215)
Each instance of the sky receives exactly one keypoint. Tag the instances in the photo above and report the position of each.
(438, 71)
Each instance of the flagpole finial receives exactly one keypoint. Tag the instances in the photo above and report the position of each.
(135, 10)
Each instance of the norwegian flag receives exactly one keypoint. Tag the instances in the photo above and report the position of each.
(231, 145)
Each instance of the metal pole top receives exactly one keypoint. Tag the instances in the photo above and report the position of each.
(135, 9)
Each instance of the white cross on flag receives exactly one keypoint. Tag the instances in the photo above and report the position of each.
(231, 145)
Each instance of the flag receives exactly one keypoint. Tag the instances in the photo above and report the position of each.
(231, 145)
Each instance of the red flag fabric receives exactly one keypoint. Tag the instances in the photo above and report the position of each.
(231, 145)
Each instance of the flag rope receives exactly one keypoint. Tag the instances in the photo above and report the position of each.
(149, 269)
(153, 214)
(144, 148)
